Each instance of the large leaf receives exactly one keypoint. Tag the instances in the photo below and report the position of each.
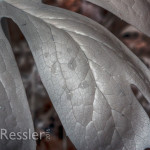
(14, 110)
(135, 12)
(87, 73)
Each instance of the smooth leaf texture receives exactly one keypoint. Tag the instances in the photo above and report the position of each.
(14, 110)
(135, 12)
(87, 73)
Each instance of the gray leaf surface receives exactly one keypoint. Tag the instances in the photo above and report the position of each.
(135, 12)
(14, 110)
(87, 73)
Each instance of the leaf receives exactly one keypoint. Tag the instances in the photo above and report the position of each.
(135, 12)
(14, 110)
(87, 73)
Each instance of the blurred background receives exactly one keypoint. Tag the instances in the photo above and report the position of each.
(44, 116)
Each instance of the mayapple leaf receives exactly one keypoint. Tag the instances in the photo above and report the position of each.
(88, 74)
(134, 12)
(15, 116)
